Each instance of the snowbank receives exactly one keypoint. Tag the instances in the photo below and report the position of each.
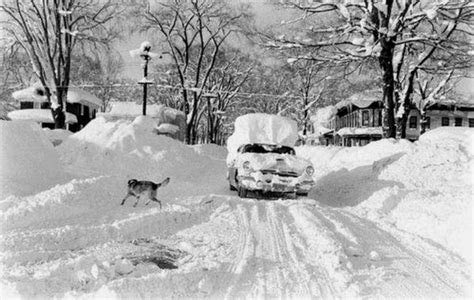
(29, 162)
(262, 128)
(424, 188)
(131, 149)
(436, 201)
(57, 136)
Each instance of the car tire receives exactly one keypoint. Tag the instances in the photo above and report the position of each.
(243, 192)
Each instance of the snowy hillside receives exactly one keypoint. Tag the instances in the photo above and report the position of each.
(391, 219)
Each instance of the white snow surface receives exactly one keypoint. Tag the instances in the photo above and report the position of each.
(388, 220)
(262, 128)
(39, 115)
(28, 161)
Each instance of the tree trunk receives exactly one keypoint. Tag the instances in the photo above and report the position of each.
(59, 117)
(58, 113)
(385, 61)
(402, 126)
(424, 121)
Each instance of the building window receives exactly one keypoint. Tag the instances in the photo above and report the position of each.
(380, 118)
(365, 118)
(458, 122)
(471, 122)
(444, 121)
(413, 122)
(26, 105)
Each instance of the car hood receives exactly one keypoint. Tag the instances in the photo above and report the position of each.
(274, 162)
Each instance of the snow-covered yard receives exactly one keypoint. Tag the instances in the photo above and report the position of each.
(391, 219)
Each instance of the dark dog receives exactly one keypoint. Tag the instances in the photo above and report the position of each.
(139, 188)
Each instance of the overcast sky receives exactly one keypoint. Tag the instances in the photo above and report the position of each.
(265, 15)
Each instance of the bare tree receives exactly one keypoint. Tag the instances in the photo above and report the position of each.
(389, 31)
(194, 33)
(309, 84)
(101, 70)
(48, 31)
(232, 70)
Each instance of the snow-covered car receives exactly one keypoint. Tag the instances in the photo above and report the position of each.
(269, 168)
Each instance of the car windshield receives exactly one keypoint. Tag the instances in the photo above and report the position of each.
(265, 148)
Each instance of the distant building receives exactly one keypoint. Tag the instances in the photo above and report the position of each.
(449, 113)
(81, 107)
(169, 121)
(358, 120)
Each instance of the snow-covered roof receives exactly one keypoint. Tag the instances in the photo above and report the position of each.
(361, 100)
(461, 102)
(74, 95)
(346, 131)
(39, 115)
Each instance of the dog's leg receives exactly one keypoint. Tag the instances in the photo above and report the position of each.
(126, 197)
(156, 200)
(136, 202)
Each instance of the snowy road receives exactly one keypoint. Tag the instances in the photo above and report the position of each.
(391, 219)
(220, 246)
(301, 249)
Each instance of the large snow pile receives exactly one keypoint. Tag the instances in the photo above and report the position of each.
(262, 128)
(29, 162)
(435, 188)
(423, 187)
(169, 120)
(131, 149)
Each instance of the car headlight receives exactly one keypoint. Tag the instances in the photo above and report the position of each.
(246, 166)
(310, 170)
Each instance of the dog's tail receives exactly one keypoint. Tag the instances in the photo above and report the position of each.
(164, 182)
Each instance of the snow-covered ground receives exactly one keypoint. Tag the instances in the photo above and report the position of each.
(391, 219)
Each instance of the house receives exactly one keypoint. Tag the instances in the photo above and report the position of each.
(169, 121)
(458, 113)
(358, 120)
(81, 107)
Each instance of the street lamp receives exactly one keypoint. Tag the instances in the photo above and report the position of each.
(144, 53)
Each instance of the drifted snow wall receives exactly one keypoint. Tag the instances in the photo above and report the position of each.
(424, 188)
(29, 163)
(131, 149)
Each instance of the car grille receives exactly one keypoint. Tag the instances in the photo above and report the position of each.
(279, 173)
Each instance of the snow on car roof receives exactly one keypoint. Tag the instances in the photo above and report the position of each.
(264, 129)
(39, 115)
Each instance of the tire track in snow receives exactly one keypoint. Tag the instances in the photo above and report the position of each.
(402, 270)
(272, 259)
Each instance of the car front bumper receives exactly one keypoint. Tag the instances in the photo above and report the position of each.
(256, 181)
